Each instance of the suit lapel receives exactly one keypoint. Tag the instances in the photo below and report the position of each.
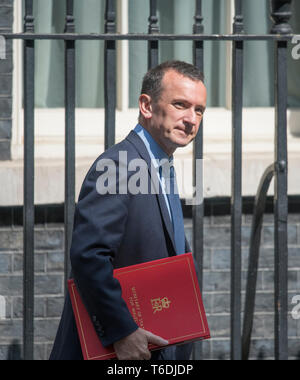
(134, 139)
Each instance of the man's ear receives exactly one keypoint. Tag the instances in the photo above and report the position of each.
(145, 104)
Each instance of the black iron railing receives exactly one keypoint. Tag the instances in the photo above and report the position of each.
(281, 33)
(257, 222)
(28, 221)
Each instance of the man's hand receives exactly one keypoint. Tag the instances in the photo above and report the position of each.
(135, 345)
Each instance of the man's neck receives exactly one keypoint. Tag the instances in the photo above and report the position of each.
(168, 152)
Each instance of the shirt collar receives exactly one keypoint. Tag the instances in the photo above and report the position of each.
(155, 151)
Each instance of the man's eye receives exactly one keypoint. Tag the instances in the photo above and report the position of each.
(179, 105)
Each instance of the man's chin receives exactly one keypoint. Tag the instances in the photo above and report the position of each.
(182, 142)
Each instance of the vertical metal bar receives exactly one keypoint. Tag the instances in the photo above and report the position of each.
(281, 204)
(281, 13)
(28, 214)
(236, 202)
(110, 75)
(153, 29)
(69, 137)
(198, 28)
(198, 209)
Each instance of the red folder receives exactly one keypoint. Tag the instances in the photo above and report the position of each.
(163, 297)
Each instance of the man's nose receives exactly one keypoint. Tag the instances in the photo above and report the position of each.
(190, 117)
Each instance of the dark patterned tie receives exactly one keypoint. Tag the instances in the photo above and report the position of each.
(176, 210)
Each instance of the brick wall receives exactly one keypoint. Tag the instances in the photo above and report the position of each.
(48, 287)
(216, 287)
(49, 283)
(6, 67)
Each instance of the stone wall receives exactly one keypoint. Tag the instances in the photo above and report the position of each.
(49, 259)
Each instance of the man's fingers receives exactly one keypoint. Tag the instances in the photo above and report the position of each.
(156, 340)
(135, 345)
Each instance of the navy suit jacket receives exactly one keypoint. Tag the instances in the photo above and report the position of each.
(113, 231)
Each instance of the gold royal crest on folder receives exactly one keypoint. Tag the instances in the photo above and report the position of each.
(158, 304)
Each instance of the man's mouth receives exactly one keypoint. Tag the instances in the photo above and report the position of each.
(184, 131)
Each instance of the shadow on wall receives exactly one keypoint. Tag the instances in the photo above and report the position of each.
(14, 351)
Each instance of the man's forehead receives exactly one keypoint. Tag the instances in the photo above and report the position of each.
(175, 83)
(171, 75)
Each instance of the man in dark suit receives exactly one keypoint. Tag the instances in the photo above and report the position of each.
(119, 221)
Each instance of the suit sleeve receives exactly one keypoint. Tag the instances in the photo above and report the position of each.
(99, 227)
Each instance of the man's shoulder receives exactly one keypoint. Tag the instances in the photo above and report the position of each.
(116, 158)
(124, 146)
(121, 153)
(114, 151)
